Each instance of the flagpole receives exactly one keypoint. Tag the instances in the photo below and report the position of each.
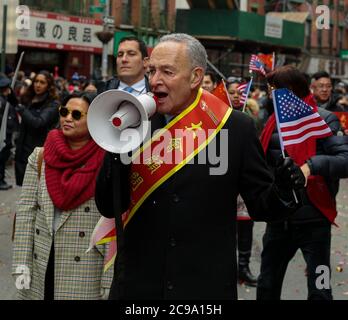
(216, 70)
(280, 136)
(228, 95)
(246, 97)
(273, 61)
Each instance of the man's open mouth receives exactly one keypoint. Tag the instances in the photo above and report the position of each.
(161, 95)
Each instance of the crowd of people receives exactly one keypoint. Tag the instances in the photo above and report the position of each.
(178, 234)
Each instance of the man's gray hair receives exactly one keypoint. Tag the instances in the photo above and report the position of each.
(196, 51)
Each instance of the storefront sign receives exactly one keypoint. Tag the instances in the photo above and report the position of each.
(273, 27)
(54, 31)
(344, 54)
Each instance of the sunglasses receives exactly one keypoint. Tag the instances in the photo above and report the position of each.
(76, 114)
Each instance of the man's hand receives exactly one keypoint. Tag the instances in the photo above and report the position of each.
(306, 172)
(12, 99)
(288, 175)
(20, 109)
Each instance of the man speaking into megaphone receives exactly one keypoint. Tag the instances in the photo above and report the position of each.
(177, 237)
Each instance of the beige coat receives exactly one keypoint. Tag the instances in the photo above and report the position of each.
(78, 275)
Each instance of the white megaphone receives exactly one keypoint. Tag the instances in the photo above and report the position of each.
(118, 121)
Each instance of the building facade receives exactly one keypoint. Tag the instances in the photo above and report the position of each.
(63, 33)
(232, 30)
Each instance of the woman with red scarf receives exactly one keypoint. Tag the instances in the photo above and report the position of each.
(309, 228)
(57, 214)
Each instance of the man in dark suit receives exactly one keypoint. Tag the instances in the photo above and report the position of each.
(131, 63)
(179, 239)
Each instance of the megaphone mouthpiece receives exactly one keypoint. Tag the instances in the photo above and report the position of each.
(116, 122)
(126, 116)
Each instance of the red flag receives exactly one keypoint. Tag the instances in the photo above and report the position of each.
(267, 60)
(343, 117)
(221, 92)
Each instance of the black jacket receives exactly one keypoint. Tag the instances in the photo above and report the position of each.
(37, 120)
(12, 120)
(181, 243)
(330, 161)
(331, 104)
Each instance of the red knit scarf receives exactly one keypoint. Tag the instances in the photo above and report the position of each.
(317, 190)
(70, 174)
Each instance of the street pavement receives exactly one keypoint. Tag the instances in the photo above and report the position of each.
(294, 287)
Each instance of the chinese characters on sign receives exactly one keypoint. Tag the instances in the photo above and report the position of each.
(49, 30)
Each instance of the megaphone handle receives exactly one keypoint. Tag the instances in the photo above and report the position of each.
(116, 167)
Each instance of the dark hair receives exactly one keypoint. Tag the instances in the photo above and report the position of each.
(141, 44)
(86, 96)
(291, 78)
(211, 75)
(320, 74)
(229, 83)
(51, 87)
(87, 83)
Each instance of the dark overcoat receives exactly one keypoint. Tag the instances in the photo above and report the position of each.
(181, 243)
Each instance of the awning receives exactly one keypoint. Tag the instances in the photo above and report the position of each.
(299, 17)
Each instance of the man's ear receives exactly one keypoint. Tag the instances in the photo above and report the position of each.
(146, 61)
(197, 77)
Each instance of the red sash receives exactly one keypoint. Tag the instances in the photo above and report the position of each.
(174, 146)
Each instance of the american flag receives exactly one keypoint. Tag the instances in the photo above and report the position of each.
(256, 64)
(244, 89)
(297, 121)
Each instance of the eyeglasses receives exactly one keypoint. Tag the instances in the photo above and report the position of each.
(324, 86)
(76, 114)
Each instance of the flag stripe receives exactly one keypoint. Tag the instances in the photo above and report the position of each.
(317, 134)
(299, 121)
(295, 136)
(304, 128)
(298, 125)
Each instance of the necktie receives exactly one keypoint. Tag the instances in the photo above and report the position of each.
(128, 89)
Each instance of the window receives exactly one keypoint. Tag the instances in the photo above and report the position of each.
(319, 35)
(126, 11)
(331, 37)
(79, 8)
(340, 38)
(163, 5)
(308, 31)
(146, 13)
